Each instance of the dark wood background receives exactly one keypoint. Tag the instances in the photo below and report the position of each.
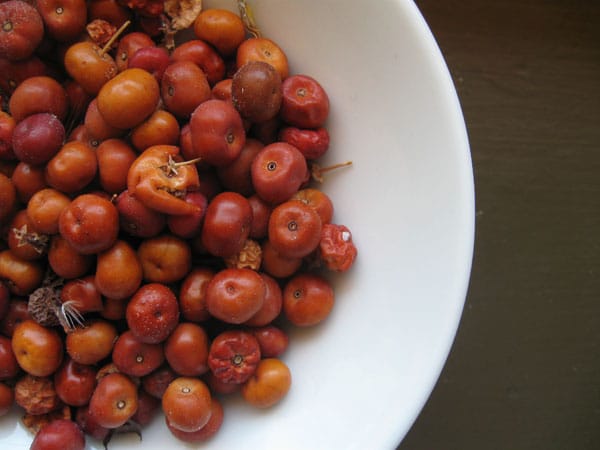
(524, 371)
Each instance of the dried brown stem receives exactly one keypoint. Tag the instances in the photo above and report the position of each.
(318, 171)
(114, 37)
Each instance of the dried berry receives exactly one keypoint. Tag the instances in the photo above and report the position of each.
(249, 257)
(233, 356)
(100, 31)
(36, 395)
(336, 248)
(183, 13)
(33, 422)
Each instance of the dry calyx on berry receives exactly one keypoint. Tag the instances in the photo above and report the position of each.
(46, 307)
(27, 237)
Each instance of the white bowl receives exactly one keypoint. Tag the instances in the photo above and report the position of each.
(361, 377)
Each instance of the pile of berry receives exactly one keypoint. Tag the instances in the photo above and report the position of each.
(161, 215)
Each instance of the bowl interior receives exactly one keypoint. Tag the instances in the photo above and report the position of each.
(361, 377)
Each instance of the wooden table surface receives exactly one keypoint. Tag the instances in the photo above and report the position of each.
(524, 371)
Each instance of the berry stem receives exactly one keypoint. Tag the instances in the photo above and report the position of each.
(171, 167)
(114, 37)
(318, 171)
